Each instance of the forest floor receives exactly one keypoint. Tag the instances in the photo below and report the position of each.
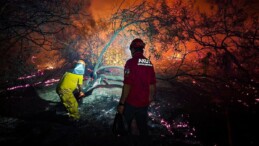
(181, 117)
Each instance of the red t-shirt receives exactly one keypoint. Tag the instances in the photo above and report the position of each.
(139, 74)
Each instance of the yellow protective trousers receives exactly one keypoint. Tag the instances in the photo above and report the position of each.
(69, 101)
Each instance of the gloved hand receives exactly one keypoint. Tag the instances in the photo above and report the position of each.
(81, 94)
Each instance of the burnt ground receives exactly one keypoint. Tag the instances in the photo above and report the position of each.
(182, 116)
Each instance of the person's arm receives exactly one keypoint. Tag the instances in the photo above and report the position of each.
(80, 90)
(80, 86)
(152, 92)
(152, 88)
(124, 95)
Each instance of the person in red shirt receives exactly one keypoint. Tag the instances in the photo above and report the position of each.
(138, 89)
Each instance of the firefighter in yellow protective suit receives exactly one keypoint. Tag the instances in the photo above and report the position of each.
(71, 81)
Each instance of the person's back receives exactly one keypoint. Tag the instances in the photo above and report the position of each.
(70, 81)
(138, 90)
(142, 75)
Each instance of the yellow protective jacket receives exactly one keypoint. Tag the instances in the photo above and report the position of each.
(70, 81)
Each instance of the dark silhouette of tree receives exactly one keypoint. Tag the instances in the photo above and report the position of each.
(28, 26)
(231, 34)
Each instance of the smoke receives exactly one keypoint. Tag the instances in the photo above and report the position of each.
(104, 8)
(101, 8)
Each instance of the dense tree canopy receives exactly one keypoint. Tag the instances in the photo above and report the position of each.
(217, 47)
(28, 27)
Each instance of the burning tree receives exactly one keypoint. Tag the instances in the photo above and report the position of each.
(179, 37)
(217, 48)
(123, 20)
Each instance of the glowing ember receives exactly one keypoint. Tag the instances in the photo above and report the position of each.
(17, 87)
(26, 77)
(39, 73)
(50, 67)
(167, 125)
(182, 125)
(176, 125)
(51, 81)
